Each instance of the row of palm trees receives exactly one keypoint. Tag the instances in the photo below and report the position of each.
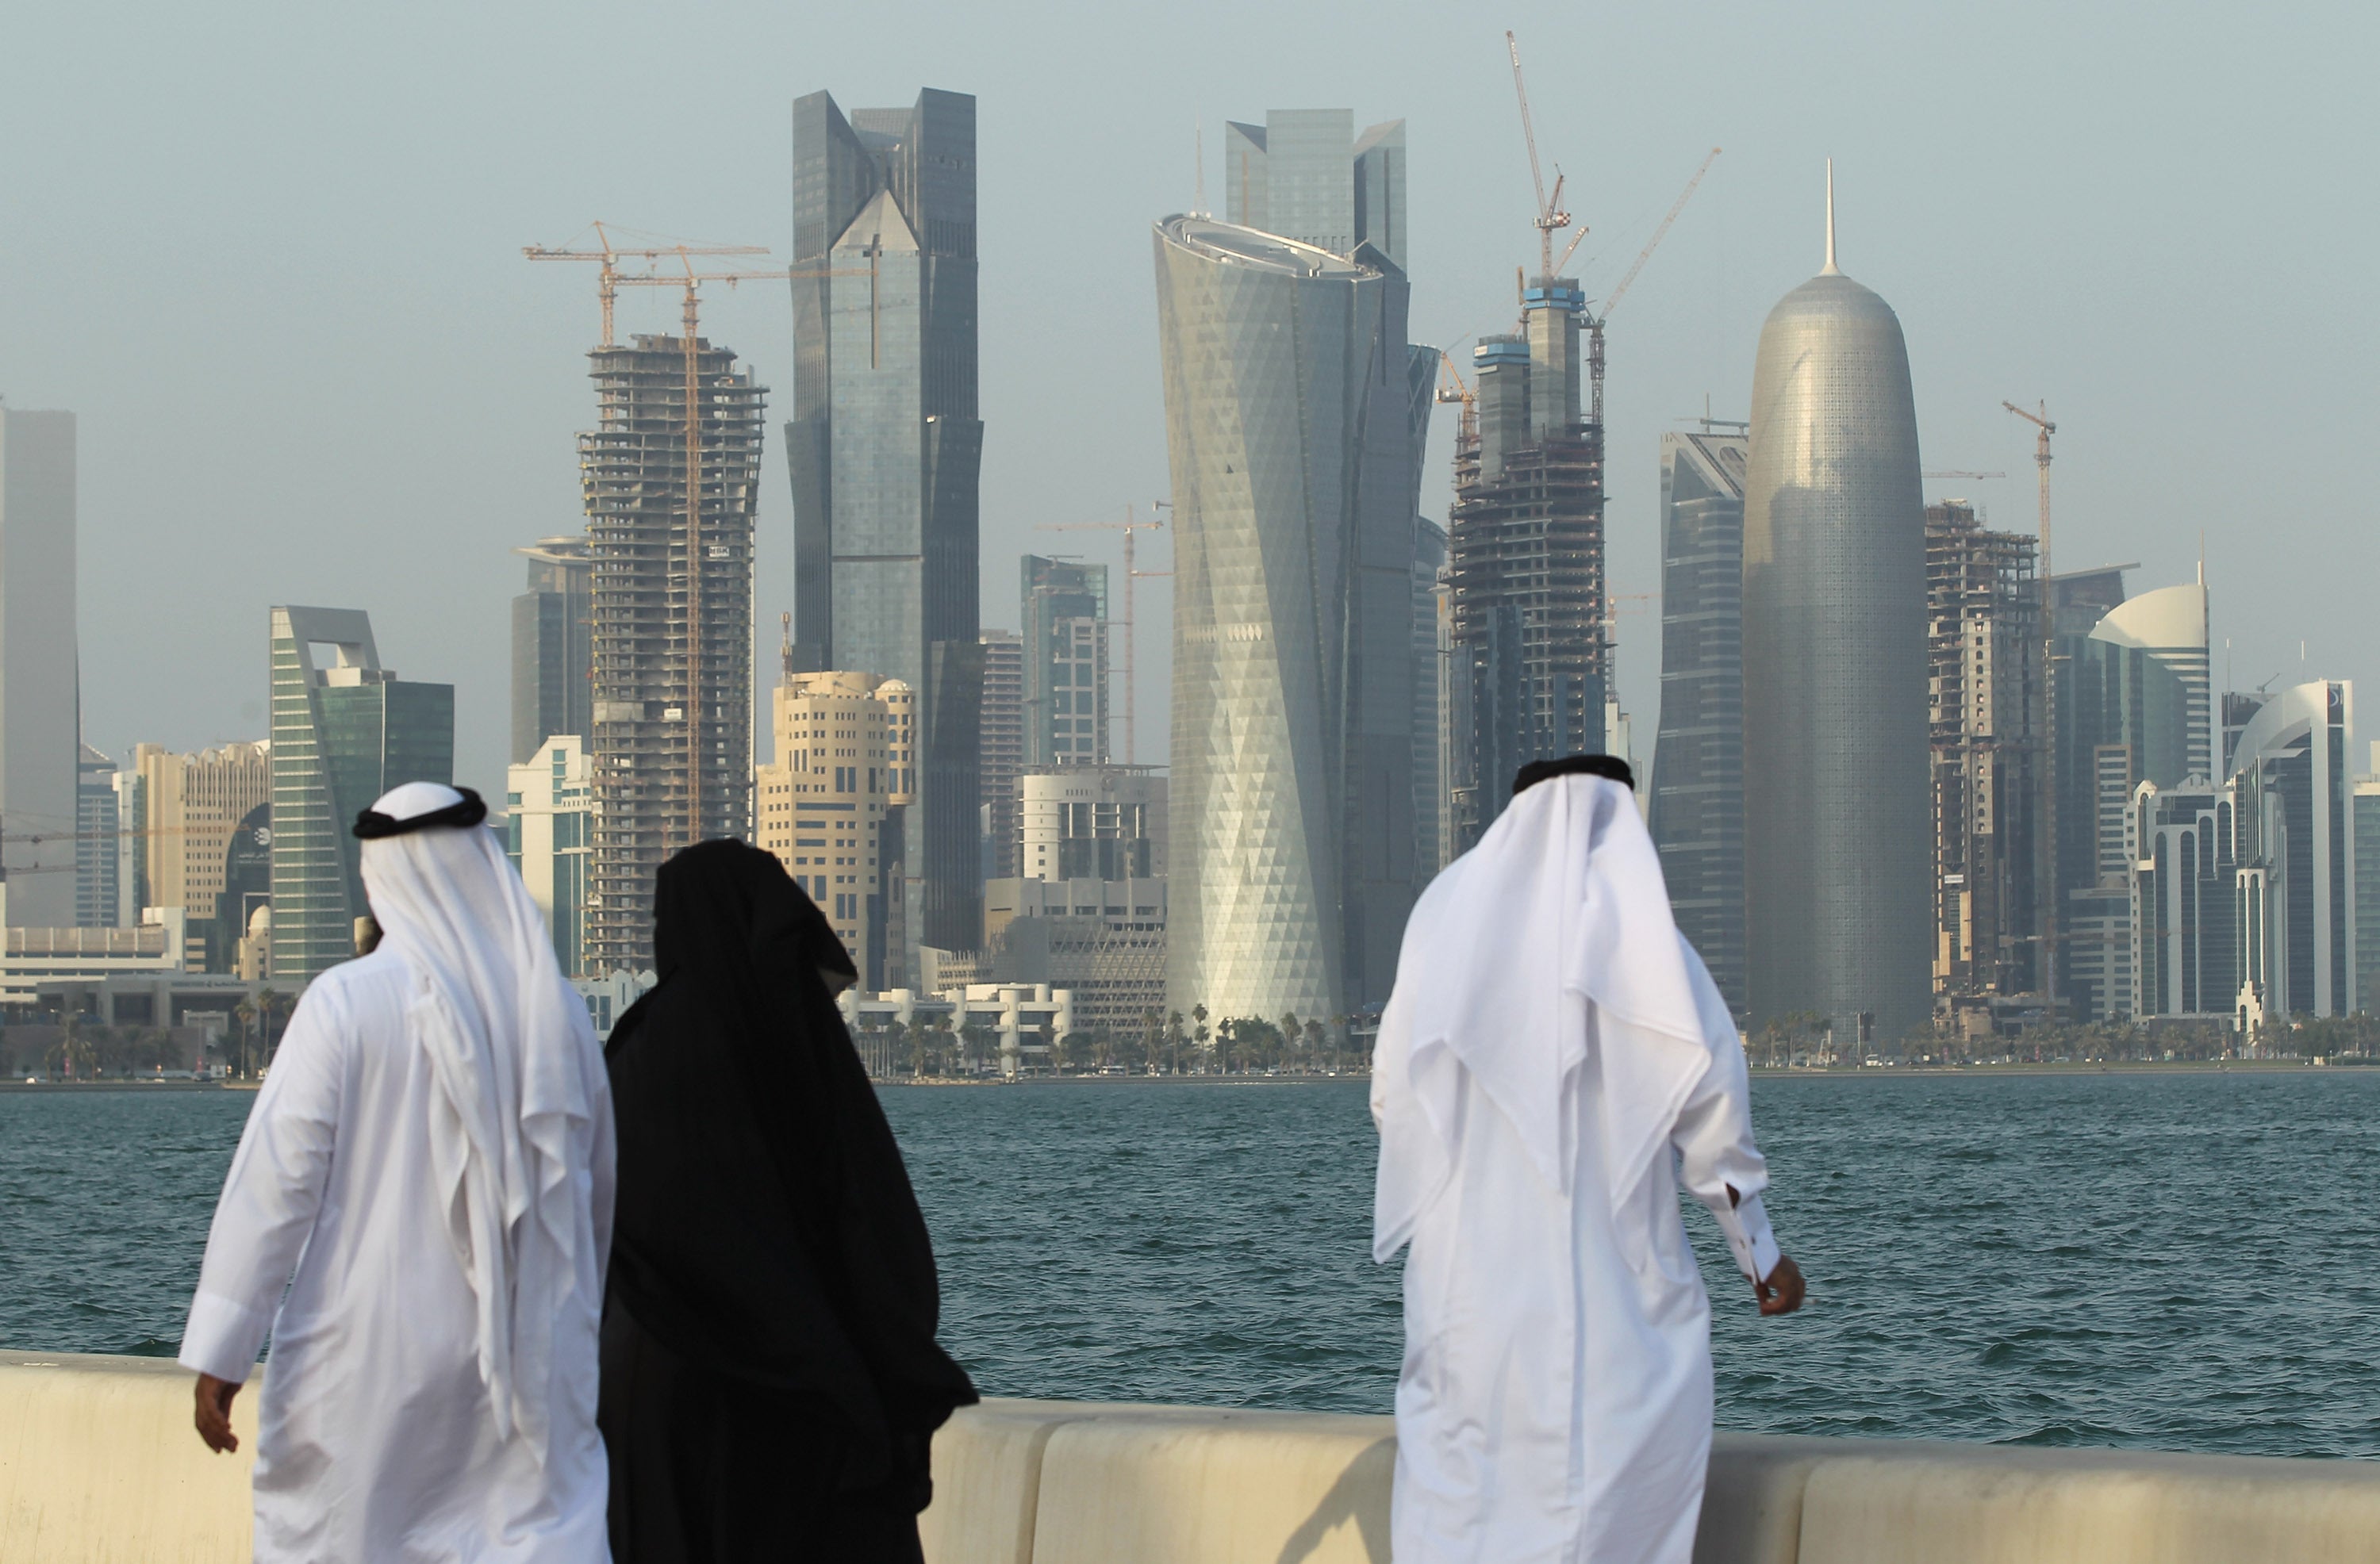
(86, 1050)
(1192, 1043)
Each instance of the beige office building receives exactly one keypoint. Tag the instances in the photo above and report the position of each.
(190, 804)
(831, 808)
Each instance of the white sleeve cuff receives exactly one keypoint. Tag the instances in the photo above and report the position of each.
(222, 1337)
(1758, 1254)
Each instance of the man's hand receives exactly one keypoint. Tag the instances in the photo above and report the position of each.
(214, 1414)
(1782, 1294)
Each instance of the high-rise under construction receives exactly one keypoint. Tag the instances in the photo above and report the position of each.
(1524, 556)
(669, 479)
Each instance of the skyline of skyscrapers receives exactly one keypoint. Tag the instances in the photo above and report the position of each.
(884, 451)
(1838, 845)
(1411, 668)
(1290, 423)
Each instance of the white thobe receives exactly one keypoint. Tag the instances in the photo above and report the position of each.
(1554, 1399)
(376, 1433)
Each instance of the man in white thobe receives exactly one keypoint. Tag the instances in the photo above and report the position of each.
(428, 1173)
(1554, 1061)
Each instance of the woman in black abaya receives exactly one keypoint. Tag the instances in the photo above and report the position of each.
(771, 1380)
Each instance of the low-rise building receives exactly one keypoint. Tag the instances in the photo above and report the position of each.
(1022, 1019)
(36, 956)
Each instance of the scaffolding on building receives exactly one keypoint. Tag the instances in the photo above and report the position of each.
(669, 500)
(1989, 743)
(1525, 573)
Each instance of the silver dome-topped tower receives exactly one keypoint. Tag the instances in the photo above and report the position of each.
(1837, 839)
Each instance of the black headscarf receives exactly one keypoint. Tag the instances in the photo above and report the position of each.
(766, 1229)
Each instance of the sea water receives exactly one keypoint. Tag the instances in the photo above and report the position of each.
(2188, 1260)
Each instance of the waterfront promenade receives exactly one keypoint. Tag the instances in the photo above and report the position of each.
(98, 1464)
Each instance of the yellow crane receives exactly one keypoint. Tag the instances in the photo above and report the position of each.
(1129, 527)
(608, 255)
(2043, 428)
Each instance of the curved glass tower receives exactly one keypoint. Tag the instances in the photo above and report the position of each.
(1290, 439)
(1837, 847)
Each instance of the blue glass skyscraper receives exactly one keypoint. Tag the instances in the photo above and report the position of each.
(884, 449)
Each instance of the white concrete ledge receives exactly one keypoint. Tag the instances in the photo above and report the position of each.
(97, 1462)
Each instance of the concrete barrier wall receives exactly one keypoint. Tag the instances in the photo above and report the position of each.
(97, 1462)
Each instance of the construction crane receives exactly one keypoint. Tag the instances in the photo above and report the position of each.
(1459, 390)
(1952, 474)
(1129, 527)
(1551, 218)
(608, 283)
(2043, 428)
(608, 256)
(1595, 318)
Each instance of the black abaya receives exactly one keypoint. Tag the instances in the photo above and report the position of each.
(771, 1380)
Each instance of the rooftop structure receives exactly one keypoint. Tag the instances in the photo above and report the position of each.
(672, 707)
(1100, 822)
(1837, 844)
(884, 448)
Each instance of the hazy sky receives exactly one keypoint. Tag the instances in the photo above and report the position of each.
(270, 254)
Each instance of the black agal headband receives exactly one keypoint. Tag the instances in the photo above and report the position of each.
(1609, 765)
(469, 810)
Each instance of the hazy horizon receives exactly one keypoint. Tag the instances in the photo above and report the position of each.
(271, 256)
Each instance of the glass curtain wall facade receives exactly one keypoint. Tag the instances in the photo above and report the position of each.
(1697, 787)
(344, 733)
(1289, 433)
(885, 447)
(2363, 812)
(553, 646)
(1837, 842)
(2289, 795)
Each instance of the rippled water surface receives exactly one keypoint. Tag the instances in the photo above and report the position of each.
(2186, 1261)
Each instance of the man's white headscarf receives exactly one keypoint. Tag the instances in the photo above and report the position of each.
(510, 1046)
(1558, 921)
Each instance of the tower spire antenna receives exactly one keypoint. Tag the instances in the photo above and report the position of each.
(1831, 269)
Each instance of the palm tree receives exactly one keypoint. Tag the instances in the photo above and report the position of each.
(1313, 1040)
(1174, 1038)
(1198, 1015)
(1292, 1034)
